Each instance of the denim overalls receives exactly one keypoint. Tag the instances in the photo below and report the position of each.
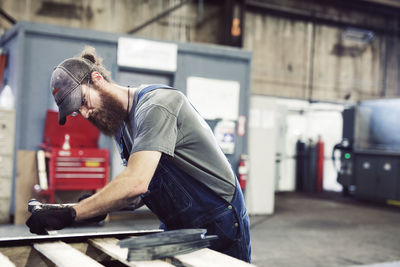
(180, 201)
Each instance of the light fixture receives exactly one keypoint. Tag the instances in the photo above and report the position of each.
(358, 35)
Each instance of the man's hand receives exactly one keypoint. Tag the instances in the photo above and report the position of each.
(50, 219)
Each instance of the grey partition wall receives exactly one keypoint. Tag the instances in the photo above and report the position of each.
(35, 49)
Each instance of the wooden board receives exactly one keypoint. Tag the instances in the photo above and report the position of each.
(26, 179)
(109, 246)
(63, 255)
(20, 256)
(5, 204)
(209, 258)
(99, 250)
(5, 262)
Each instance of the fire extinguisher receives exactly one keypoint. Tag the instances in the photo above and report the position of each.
(3, 63)
(320, 164)
(243, 171)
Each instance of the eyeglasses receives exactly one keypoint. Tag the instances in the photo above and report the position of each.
(83, 103)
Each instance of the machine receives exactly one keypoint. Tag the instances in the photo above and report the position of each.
(370, 150)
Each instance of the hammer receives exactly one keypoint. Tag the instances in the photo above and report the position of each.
(34, 205)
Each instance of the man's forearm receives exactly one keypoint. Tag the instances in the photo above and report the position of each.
(124, 188)
(119, 193)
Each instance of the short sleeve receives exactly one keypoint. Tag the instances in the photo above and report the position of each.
(156, 130)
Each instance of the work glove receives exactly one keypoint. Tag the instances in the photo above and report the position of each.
(96, 219)
(50, 219)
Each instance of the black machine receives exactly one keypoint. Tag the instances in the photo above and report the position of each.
(346, 148)
(370, 151)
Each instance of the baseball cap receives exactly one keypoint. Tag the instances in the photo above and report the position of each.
(65, 85)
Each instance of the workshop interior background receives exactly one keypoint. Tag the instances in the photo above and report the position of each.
(301, 49)
(318, 102)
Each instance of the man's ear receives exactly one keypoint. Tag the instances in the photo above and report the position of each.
(96, 77)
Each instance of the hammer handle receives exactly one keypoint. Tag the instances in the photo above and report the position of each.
(34, 205)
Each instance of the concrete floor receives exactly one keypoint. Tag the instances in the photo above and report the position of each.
(306, 230)
(325, 230)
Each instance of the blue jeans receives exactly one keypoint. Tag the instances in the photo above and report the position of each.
(181, 202)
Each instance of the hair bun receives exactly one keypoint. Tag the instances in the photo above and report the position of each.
(89, 53)
(89, 57)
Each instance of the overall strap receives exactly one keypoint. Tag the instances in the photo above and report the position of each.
(151, 88)
(124, 134)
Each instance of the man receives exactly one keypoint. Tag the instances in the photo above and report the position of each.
(173, 162)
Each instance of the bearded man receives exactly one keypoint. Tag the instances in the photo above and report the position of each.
(173, 162)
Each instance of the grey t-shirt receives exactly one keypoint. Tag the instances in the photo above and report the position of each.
(165, 121)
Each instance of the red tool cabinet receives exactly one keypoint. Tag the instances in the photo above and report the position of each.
(81, 167)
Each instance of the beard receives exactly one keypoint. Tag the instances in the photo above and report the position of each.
(109, 116)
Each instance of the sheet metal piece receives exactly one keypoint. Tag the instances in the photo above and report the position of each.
(77, 237)
(164, 238)
(163, 251)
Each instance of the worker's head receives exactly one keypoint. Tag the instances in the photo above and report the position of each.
(77, 85)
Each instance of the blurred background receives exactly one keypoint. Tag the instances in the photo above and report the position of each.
(302, 96)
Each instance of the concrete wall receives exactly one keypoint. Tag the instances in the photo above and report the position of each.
(280, 56)
(300, 49)
(304, 53)
(188, 23)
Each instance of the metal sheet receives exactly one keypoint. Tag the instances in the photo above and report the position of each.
(26, 240)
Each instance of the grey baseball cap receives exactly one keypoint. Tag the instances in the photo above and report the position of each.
(65, 85)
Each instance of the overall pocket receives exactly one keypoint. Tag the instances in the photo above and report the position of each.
(225, 226)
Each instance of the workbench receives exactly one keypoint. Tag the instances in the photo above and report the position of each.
(96, 249)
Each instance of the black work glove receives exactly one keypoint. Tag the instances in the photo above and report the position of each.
(96, 219)
(50, 219)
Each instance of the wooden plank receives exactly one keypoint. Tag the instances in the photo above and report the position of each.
(209, 258)
(63, 255)
(27, 177)
(91, 251)
(5, 204)
(109, 246)
(25, 256)
(5, 262)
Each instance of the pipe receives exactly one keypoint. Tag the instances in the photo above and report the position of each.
(312, 16)
(7, 17)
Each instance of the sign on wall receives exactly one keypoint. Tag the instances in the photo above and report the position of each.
(145, 54)
(224, 132)
(214, 99)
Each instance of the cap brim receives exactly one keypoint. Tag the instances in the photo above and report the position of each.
(70, 104)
